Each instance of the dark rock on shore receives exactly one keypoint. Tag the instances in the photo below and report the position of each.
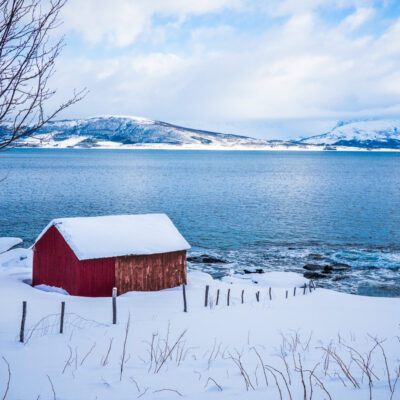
(256, 271)
(335, 267)
(313, 275)
(206, 259)
(313, 267)
(318, 271)
(341, 265)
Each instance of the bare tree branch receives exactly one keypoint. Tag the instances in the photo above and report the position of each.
(27, 62)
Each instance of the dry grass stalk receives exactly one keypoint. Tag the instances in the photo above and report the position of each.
(215, 383)
(237, 361)
(8, 378)
(104, 361)
(262, 365)
(52, 388)
(169, 390)
(161, 351)
(277, 383)
(137, 385)
(283, 377)
(88, 353)
(302, 378)
(68, 362)
(123, 356)
(145, 391)
(395, 383)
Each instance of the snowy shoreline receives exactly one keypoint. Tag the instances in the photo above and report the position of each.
(213, 352)
(219, 148)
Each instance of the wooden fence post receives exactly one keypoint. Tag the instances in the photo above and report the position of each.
(309, 286)
(270, 293)
(294, 291)
(242, 296)
(184, 298)
(114, 305)
(206, 296)
(216, 302)
(228, 297)
(304, 288)
(62, 317)
(287, 294)
(258, 296)
(22, 331)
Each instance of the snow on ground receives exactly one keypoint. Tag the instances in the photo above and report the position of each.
(255, 350)
(7, 243)
(274, 279)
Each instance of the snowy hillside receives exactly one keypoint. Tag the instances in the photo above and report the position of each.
(136, 132)
(367, 134)
(127, 131)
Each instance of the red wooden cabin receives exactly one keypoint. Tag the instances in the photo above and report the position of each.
(89, 256)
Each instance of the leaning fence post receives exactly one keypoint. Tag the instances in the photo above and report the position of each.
(206, 296)
(62, 317)
(242, 296)
(216, 302)
(270, 294)
(228, 297)
(114, 305)
(294, 291)
(21, 333)
(184, 298)
(258, 296)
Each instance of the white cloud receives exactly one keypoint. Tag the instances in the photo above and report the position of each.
(293, 7)
(357, 19)
(120, 22)
(300, 69)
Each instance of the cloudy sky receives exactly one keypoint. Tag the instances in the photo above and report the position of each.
(265, 68)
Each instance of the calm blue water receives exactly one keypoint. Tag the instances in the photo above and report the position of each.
(275, 210)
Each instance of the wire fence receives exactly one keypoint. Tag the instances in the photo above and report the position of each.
(68, 322)
(50, 325)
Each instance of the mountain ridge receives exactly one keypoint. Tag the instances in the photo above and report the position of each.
(115, 131)
(128, 131)
(370, 134)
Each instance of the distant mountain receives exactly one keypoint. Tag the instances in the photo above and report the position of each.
(136, 132)
(127, 132)
(382, 134)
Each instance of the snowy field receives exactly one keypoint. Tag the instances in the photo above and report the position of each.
(318, 345)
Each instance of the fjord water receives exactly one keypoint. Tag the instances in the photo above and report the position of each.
(253, 209)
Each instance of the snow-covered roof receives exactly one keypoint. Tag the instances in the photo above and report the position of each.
(119, 235)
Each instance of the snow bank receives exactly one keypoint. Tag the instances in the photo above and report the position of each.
(7, 243)
(51, 289)
(274, 279)
(119, 235)
(16, 258)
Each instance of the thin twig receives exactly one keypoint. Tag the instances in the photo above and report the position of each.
(216, 384)
(9, 378)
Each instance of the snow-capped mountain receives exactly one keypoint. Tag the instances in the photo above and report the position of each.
(137, 132)
(365, 134)
(127, 131)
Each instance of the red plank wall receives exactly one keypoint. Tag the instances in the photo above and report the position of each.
(55, 264)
